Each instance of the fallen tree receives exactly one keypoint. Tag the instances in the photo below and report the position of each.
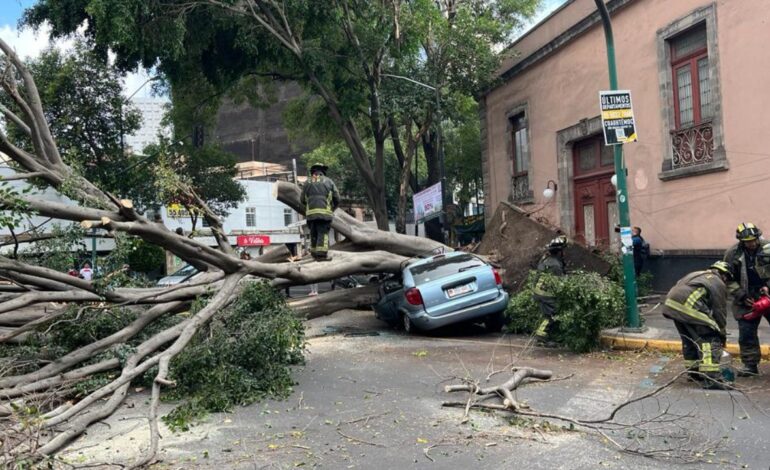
(143, 343)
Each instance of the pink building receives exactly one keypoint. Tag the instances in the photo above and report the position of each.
(699, 73)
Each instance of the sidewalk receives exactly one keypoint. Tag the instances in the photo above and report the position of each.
(661, 335)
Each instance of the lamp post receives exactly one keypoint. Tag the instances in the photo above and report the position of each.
(439, 149)
(629, 278)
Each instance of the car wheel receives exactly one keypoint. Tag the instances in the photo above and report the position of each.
(495, 322)
(406, 323)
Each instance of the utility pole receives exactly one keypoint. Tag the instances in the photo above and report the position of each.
(629, 277)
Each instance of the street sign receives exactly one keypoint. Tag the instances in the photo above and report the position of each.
(617, 117)
(253, 240)
(427, 203)
(177, 211)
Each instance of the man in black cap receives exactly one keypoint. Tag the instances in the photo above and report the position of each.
(320, 198)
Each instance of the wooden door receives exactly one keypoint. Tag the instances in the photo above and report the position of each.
(596, 210)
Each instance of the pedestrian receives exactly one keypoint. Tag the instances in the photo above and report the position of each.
(320, 198)
(746, 287)
(552, 263)
(641, 249)
(313, 289)
(86, 272)
(698, 306)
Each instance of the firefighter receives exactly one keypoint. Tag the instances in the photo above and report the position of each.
(698, 306)
(746, 287)
(552, 262)
(320, 198)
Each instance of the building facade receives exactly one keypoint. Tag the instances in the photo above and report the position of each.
(697, 73)
(152, 111)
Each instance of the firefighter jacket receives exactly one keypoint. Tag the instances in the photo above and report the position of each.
(320, 197)
(739, 288)
(699, 298)
(550, 264)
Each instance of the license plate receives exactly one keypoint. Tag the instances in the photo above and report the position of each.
(455, 291)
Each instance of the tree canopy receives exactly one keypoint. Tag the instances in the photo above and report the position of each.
(343, 51)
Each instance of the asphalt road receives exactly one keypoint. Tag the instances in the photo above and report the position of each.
(369, 397)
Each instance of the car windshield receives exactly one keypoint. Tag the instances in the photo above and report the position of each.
(444, 266)
(185, 271)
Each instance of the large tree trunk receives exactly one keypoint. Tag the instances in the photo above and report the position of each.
(364, 250)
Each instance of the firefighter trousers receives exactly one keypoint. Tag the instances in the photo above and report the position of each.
(319, 237)
(701, 347)
(548, 309)
(748, 339)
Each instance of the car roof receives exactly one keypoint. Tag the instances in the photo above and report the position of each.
(430, 259)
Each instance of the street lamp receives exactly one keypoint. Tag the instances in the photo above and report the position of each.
(439, 148)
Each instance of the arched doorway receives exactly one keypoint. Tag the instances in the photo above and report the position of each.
(596, 210)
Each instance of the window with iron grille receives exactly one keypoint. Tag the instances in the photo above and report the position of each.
(251, 216)
(693, 136)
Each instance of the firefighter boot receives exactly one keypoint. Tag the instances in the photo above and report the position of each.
(714, 383)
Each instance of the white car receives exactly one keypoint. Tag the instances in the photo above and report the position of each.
(183, 275)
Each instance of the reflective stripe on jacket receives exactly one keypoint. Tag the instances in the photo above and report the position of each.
(320, 197)
(550, 264)
(698, 298)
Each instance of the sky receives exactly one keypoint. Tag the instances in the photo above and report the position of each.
(29, 43)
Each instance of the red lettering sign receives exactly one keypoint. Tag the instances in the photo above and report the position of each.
(253, 240)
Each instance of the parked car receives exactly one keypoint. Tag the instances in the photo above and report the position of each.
(355, 280)
(442, 290)
(186, 273)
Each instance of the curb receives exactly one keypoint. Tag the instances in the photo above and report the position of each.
(625, 343)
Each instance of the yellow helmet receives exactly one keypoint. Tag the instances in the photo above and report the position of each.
(722, 267)
(747, 231)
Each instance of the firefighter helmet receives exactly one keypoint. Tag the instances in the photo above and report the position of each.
(747, 231)
(557, 243)
(319, 167)
(722, 267)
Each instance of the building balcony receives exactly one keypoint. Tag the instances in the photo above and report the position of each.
(693, 145)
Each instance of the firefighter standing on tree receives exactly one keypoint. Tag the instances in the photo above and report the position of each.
(320, 198)
(698, 306)
(552, 262)
(746, 288)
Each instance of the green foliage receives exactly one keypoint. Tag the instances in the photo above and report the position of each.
(346, 54)
(81, 326)
(586, 304)
(145, 257)
(242, 356)
(60, 252)
(208, 171)
(523, 312)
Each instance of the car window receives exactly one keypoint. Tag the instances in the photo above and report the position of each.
(443, 267)
(185, 271)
